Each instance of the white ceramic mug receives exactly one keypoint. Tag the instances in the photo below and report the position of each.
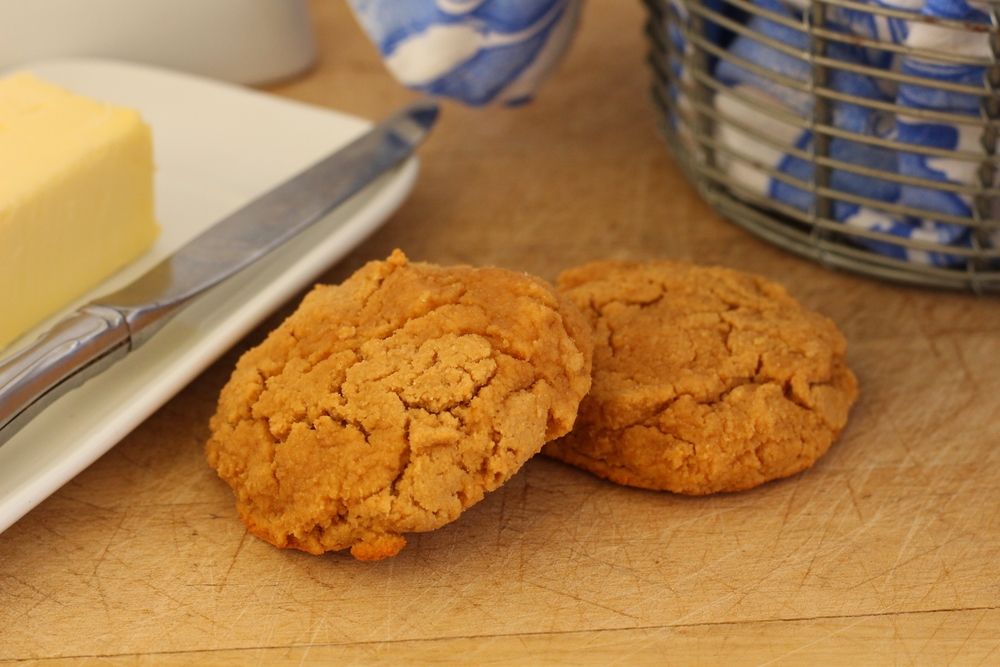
(243, 41)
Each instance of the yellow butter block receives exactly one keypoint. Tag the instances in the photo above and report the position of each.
(76, 197)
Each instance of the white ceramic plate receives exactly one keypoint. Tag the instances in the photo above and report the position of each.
(216, 147)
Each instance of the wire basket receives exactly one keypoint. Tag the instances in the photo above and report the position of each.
(861, 135)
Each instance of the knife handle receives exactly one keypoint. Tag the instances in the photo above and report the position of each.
(77, 348)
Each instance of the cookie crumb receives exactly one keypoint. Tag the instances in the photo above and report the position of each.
(383, 546)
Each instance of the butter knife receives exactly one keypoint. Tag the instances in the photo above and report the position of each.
(104, 331)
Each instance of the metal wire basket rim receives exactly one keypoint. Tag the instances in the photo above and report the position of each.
(965, 26)
(831, 63)
(814, 31)
(881, 10)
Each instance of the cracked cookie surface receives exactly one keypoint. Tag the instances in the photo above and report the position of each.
(704, 379)
(392, 402)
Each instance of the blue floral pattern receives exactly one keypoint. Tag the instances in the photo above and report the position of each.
(475, 51)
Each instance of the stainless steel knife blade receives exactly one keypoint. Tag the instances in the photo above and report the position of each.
(107, 329)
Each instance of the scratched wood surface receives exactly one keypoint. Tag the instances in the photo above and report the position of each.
(887, 552)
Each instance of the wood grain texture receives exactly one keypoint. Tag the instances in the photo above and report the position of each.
(887, 552)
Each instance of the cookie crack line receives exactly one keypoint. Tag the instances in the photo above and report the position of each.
(730, 303)
(389, 333)
(641, 304)
(786, 390)
(457, 405)
(405, 457)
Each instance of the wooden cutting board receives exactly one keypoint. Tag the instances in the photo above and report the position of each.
(886, 552)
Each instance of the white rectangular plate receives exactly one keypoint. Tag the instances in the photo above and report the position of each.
(216, 147)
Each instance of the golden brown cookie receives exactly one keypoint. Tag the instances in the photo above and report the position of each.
(704, 379)
(392, 402)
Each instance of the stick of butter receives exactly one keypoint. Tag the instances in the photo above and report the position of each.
(76, 197)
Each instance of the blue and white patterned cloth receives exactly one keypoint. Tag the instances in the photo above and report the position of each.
(475, 51)
(864, 120)
(776, 97)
